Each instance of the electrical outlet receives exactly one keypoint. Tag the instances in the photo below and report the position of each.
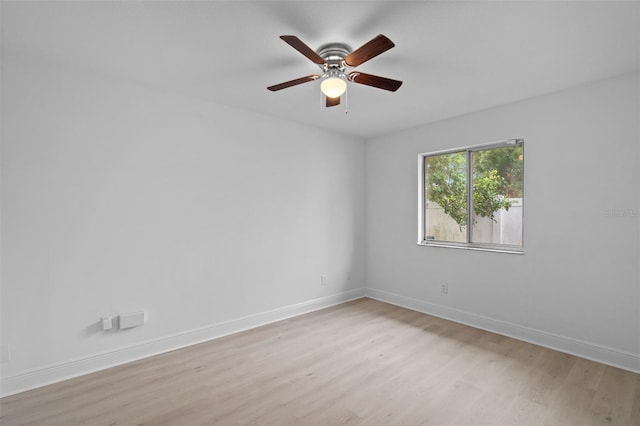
(445, 288)
(323, 281)
(131, 319)
(5, 353)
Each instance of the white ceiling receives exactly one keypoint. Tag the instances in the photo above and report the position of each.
(454, 57)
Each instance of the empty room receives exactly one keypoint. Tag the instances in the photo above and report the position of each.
(320, 213)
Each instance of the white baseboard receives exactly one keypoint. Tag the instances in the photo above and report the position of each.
(594, 352)
(66, 370)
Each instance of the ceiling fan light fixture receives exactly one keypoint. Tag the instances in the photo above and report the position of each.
(333, 87)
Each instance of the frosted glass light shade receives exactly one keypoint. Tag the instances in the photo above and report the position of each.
(333, 87)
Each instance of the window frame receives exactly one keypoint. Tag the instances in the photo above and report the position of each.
(468, 245)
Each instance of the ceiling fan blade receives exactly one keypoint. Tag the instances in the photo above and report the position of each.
(370, 49)
(374, 81)
(295, 82)
(299, 45)
(332, 101)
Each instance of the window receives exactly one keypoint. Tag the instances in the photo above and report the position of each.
(473, 197)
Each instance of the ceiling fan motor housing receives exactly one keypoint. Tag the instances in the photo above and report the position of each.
(334, 54)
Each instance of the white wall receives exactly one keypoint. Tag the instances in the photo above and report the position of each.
(117, 197)
(577, 285)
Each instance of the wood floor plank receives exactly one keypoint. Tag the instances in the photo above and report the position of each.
(360, 363)
(614, 396)
(635, 409)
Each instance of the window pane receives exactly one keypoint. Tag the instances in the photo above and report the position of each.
(497, 195)
(446, 197)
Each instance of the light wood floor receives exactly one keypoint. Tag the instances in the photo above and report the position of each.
(360, 363)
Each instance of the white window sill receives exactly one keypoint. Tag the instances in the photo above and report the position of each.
(470, 247)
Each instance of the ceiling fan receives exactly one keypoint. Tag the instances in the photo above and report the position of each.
(333, 59)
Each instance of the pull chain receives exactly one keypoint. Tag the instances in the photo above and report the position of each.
(346, 102)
